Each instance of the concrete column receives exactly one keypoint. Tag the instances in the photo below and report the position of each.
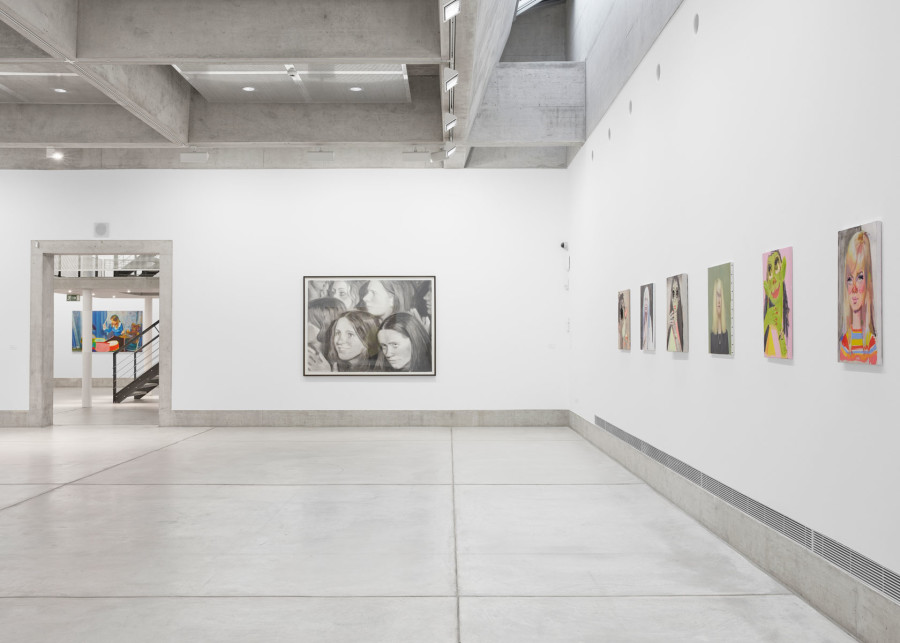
(148, 314)
(87, 353)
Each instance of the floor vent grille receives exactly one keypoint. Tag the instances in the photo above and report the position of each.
(863, 568)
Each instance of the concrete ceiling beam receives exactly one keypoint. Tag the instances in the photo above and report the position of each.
(237, 124)
(51, 25)
(156, 94)
(532, 104)
(405, 31)
(74, 126)
(15, 47)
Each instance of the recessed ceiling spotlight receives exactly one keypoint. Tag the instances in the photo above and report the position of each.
(57, 156)
(59, 90)
(129, 290)
(249, 89)
(356, 89)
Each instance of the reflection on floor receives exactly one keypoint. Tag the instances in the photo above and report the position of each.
(519, 535)
(67, 409)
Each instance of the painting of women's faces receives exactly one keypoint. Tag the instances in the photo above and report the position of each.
(624, 323)
(648, 332)
(721, 309)
(369, 326)
(677, 314)
(859, 294)
(778, 298)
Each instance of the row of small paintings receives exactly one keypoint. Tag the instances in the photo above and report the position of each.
(858, 312)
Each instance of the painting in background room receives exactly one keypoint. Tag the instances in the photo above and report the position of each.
(624, 334)
(778, 279)
(648, 332)
(369, 326)
(111, 329)
(859, 294)
(721, 309)
(677, 314)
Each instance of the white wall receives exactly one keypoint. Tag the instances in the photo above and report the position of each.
(776, 125)
(67, 363)
(244, 239)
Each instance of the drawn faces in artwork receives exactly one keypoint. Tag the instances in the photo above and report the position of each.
(377, 300)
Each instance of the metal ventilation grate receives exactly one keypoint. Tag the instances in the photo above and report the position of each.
(863, 568)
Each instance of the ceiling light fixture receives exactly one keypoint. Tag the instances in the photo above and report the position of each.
(449, 122)
(356, 89)
(451, 78)
(54, 154)
(451, 151)
(249, 89)
(59, 90)
(451, 9)
(293, 73)
(442, 155)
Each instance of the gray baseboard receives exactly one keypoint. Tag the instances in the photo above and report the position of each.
(867, 613)
(13, 418)
(539, 417)
(75, 382)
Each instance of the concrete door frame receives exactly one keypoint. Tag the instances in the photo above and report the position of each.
(40, 385)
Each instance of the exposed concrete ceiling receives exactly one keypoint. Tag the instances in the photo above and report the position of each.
(134, 84)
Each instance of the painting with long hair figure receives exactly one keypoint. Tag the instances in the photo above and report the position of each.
(859, 294)
(778, 280)
(721, 309)
(369, 326)
(648, 332)
(624, 330)
(677, 314)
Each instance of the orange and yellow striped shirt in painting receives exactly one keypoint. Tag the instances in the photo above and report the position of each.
(858, 348)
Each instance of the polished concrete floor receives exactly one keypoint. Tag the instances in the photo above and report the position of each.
(140, 533)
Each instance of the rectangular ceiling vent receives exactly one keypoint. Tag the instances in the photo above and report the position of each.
(865, 569)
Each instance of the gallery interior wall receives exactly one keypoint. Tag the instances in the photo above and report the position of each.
(243, 240)
(774, 125)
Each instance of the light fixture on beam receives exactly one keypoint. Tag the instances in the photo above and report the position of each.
(450, 9)
(450, 78)
(194, 156)
(416, 157)
(319, 155)
(55, 154)
(442, 155)
(293, 73)
(449, 122)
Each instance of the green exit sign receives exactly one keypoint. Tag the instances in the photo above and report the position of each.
(73, 297)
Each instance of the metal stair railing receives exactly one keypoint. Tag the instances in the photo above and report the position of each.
(142, 359)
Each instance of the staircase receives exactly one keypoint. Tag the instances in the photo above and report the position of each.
(136, 371)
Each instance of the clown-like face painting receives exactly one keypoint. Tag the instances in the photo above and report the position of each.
(774, 284)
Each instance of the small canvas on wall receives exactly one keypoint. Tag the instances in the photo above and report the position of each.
(624, 334)
(778, 279)
(677, 314)
(111, 330)
(369, 326)
(859, 294)
(721, 309)
(648, 332)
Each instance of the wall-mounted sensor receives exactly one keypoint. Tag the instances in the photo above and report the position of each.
(564, 245)
(101, 229)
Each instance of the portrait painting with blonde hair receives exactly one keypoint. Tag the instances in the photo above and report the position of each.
(721, 309)
(859, 294)
(648, 333)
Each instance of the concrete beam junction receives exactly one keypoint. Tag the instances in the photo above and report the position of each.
(49, 24)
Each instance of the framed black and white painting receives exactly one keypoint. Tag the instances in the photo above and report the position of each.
(369, 325)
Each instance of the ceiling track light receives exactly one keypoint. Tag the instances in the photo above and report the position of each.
(449, 122)
(442, 155)
(293, 73)
(450, 78)
(450, 9)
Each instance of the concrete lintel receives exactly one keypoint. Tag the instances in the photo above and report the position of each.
(74, 126)
(15, 47)
(532, 104)
(216, 124)
(51, 25)
(156, 94)
(282, 30)
(118, 284)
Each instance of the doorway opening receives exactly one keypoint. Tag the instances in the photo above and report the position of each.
(125, 287)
